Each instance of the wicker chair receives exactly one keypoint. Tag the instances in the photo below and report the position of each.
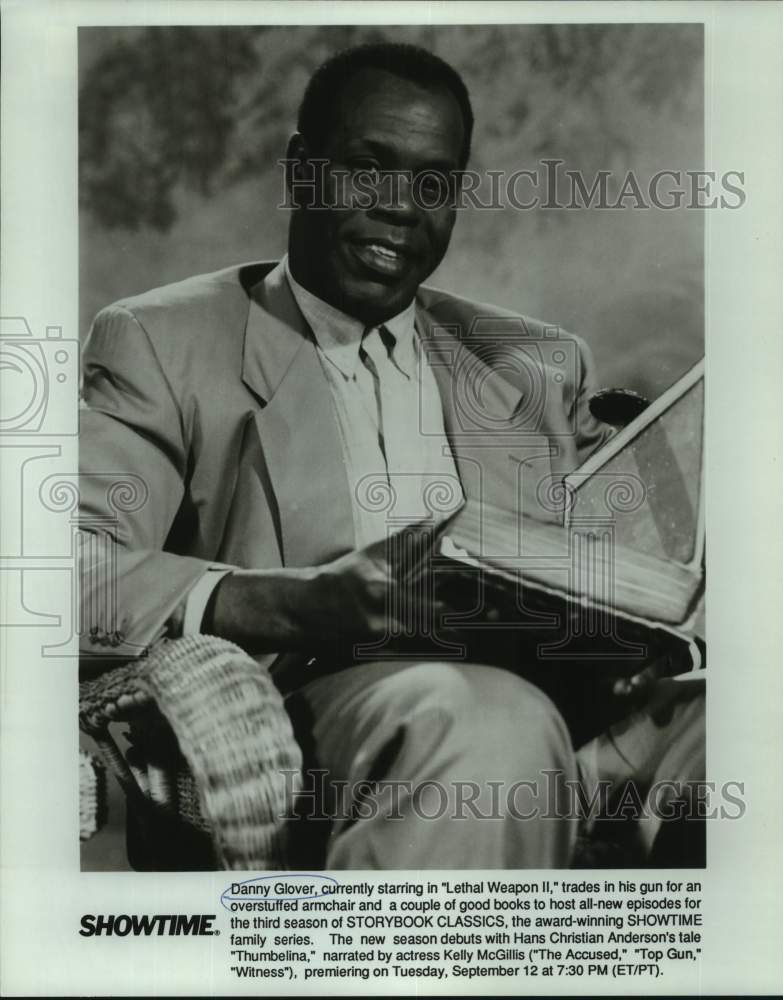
(208, 764)
(92, 795)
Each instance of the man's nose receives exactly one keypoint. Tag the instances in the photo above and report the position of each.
(396, 200)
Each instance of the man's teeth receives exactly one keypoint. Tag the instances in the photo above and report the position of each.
(384, 251)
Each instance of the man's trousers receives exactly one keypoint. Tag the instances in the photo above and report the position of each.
(426, 765)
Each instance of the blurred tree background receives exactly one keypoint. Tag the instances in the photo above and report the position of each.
(181, 129)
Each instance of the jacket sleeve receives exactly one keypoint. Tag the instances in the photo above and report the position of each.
(133, 460)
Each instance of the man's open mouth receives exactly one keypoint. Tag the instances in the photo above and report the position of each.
(382, 257)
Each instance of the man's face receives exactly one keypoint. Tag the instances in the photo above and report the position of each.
(368, 262)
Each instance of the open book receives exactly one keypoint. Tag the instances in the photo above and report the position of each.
(621, 577)
(615, 584)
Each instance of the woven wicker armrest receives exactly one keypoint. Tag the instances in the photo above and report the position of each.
(226, 718)
(92, 795)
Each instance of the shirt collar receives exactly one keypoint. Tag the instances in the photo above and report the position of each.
(339, 335)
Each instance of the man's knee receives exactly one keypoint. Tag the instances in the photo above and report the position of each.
(489, 716)
(432, 741)
(510, 701)
(436, 718)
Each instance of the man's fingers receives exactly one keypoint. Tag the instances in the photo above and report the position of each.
(416, 544)
(407, 551)
(639, 686)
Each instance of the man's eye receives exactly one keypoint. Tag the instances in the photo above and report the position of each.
(435, 185)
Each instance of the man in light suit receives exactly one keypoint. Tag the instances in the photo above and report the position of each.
(259, 410)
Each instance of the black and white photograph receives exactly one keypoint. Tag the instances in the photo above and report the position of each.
(389, 456)
(339, 492)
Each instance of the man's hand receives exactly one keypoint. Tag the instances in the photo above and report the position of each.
(655, 691)
(360, 597)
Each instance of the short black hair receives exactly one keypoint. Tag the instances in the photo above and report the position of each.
(411, 62)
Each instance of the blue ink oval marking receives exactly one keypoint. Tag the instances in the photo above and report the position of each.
(274, 892)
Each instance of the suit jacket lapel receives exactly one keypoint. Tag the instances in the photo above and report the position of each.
(297, 428)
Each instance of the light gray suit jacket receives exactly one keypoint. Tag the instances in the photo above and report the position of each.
(208, 436)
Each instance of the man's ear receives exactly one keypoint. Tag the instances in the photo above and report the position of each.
(297, 154)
